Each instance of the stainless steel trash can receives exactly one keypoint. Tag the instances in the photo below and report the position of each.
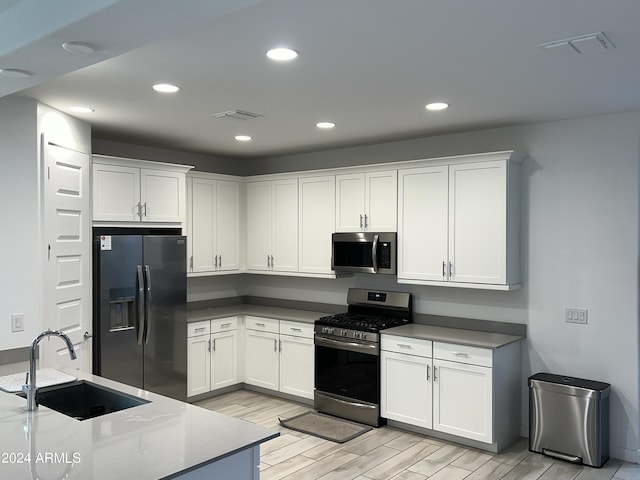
(569, 418)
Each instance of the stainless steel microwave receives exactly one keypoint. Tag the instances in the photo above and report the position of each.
(364, 252)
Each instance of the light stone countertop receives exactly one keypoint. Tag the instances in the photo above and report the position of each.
(150, 441)
(453, 335)
(304, 316)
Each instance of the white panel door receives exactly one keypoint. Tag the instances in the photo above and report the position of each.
(350, 208)
(381, 201)
(258, 225)
(261, 359)
(296, 366)
(462, 400)
(284, 243)
(162, 195)
(67, 290)
(422, 223)
(317, 223)
(203, 225)
(116, 193)
(228, 225)
(478, 216)
(224, 359)
(406, 388)
(198, 365)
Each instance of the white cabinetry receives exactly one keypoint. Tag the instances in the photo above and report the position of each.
(127, 190)
(213, 224)
(463, 391)
(406, 370)
(272, 225)
(212, 355)
(279, 355)
(469, 392)
(458, 223)
(316, 222)
(367, 201)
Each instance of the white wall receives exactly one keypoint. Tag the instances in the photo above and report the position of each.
(22, 121)
(579, 249)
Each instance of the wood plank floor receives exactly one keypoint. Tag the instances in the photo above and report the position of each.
(389, 453)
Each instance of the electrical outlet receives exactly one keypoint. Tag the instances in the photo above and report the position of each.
(17, 322)
(576, 315)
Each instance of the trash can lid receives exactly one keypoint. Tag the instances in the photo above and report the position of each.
(591, 386)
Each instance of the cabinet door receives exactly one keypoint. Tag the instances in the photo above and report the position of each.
(462, 400)
(198, 365)
(202, 225)
(162, 194)
(224, 359)
(381, 201)
(350, 207)
(296, 366)
(284, 245)
(406, 388)
(317, 223)
(228, 225)
(258, 225)
(478, 222)
(116, 193)
(261, 359)
(422, 223)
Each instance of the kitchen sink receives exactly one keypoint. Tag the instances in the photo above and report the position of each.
(83, 400)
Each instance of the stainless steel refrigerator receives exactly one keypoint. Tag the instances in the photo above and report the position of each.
(140, 330)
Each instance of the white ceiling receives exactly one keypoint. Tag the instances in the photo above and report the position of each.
(370, 66)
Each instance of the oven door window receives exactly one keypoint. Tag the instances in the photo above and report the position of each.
(353, 254)
(348, 374)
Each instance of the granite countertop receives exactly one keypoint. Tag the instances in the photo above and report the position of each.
(453, 335)
(304, 316)
(150, 441)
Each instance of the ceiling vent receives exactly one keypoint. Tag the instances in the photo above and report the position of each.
(237, 115)
(582, 44)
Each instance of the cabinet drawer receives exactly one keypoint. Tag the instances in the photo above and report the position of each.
(199, 328)
(224, 324)
(463, 354)
(410, 346)
(296, 329)
(262, 324)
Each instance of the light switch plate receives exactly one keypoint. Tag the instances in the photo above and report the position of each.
(576, 315)
(17, 322)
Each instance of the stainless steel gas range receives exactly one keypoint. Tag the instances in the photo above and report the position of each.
(347, 354)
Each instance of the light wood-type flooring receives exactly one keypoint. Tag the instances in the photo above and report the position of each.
(389, 453)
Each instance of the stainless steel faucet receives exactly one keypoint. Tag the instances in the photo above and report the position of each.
(29, 388)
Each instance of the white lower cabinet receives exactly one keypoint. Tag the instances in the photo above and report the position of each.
(212, 355)
(279, 355)
(453, 389)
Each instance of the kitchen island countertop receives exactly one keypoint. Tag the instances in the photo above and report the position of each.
(164, 438)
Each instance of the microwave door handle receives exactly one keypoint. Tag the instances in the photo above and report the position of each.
(374, 253)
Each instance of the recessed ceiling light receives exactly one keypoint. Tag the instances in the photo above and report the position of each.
(437, 106)
(325, 125)
(81, 109)
(79, 48)
(15, 73)
(282, 54)
(165, 88)
(243, 138)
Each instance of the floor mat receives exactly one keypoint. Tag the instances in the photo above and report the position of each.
(324, 426)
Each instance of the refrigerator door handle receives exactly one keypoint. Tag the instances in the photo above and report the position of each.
(140, 314)
(147, 300)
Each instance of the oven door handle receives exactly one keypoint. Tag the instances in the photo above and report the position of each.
(371, 349)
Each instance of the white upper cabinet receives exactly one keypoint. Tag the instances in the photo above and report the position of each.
(272, 225)
(214, 224)
(317, 222)
(126, 191)
(459, 223)
(367, 201)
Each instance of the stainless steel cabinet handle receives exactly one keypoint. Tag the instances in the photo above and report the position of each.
(199, 329)
(360, 221)
(450, 269)
(139, 209)
(275, 345)
(428, 367)
(435, 373)
(403, 345)
(209, 342)
(191, 262)
(443, 274)
(225, 325)
(219, 261)
(461, 354)
(280, 343)
(366, 221)
(144, 206)
(259, 324)
(213, 344)
(293, 329)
